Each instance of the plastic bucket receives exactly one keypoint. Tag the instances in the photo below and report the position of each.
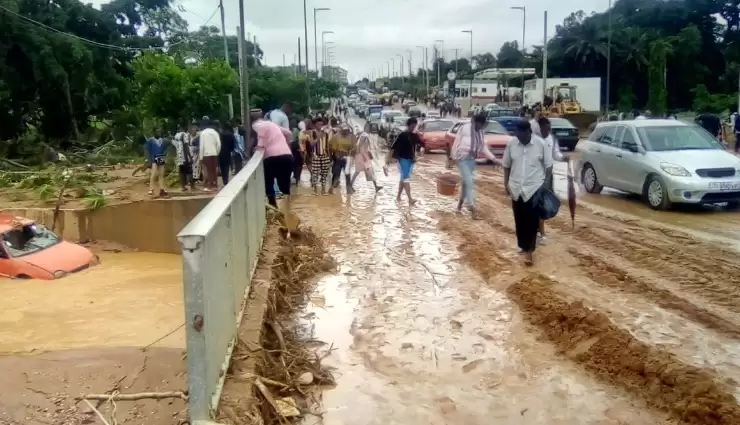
(446, 184)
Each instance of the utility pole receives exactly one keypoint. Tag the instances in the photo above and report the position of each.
(283, 60)
(456, 67)
(544, 69)
(426, 67)
(608, 58)
(305, 34)
(299, 55)
(246, 119)
(240, 53)
(226, 54)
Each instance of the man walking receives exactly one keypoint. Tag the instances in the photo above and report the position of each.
(156, 150)
(404, 150)
(552, 143)
(527, 161)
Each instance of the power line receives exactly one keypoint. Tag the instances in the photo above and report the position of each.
(92, 42)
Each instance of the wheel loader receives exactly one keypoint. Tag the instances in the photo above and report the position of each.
(562, 101)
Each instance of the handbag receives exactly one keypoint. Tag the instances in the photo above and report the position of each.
(546, 203)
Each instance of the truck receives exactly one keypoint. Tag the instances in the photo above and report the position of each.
(588, 91)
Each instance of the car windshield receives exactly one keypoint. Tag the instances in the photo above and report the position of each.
(441, 125)
(677, 138)
(560, 122)
(494, 127)
(28, 239)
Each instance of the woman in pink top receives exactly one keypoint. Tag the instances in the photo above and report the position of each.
(273, 140)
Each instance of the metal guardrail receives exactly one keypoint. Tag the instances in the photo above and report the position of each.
(220, 249)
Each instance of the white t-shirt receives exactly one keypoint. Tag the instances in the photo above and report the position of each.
(210, 143)
(278, 117)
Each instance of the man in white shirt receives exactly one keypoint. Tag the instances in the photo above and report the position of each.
(280, 116)
(552, 143)
(527, 161)
(534, 122)
(210, 146)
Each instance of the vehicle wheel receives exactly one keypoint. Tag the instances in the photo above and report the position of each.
(656, 194)
(590, 181)
(22, 276)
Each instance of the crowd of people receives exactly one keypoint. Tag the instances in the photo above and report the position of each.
(333, 151)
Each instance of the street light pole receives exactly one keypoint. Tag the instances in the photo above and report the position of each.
(411, 67)
(400, 66)
(438, 56)
(524, 31)
(608, 58)
(323, 51)
(393, 62)
(472, 73)
(315, 41)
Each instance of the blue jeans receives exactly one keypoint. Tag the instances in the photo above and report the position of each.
(467, 167)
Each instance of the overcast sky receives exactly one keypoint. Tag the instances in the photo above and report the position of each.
(367, 34)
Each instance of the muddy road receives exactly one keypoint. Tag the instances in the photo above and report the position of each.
(632, 317)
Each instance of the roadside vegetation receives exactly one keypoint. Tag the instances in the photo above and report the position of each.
(665, 56)
(93, 84)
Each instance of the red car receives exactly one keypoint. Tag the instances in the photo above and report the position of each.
(496, 137)
(432, 132)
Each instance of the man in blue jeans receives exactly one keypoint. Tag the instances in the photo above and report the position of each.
(469, 144)
(404, 150)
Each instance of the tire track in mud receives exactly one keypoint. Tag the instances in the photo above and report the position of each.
(699, 269)
(605, 274)
(613, 355)
(609, 353)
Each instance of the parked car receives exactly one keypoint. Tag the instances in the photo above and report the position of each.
(508, 122)
(502, 112)
(29, 250)
(496, 137)
(664, 161)
(432, 132)
(566, 133)
(433, 115)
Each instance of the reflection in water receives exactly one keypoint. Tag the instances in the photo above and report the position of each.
(130, 299)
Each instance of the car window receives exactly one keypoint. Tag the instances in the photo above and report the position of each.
(609, 137)
(596, 134)
(627, 138)
(455, 127)
(673, 138)
(441, 125)
(28, 239)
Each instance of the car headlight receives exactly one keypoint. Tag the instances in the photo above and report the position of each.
(674, 170)
(59, 274)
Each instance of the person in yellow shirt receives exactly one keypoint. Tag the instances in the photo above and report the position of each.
(341, 146)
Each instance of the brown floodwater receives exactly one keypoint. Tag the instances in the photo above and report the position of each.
(129, 300)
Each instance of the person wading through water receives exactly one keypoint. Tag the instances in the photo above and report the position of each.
(552, 143)
(468, 145)
(363, 160)
(319, 155)
(404, 150)
(340, 147)
(527, 161)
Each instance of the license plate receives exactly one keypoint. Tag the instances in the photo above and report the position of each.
(561, 133)
(724, 186)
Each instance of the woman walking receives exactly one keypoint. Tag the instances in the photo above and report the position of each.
(363, 160)
(319, 154)
(278, 160)
(468, 146)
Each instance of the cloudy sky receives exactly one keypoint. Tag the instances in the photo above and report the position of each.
(367, 34)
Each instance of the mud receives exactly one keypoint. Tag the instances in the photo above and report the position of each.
(41, 389)
(274, 367)
(614, 355)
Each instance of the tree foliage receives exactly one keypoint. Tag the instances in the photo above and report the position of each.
(78, 76)
(660, 51)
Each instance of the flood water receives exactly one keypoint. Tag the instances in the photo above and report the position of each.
(130, 299)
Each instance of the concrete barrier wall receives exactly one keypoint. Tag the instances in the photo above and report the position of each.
(150, 225)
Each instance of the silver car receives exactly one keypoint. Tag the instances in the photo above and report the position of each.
(664, 161)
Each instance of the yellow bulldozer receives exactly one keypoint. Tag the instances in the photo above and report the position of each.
(562, 101)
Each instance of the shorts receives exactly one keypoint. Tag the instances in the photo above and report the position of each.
(405, 166)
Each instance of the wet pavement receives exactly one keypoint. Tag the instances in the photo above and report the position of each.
(432, 324)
